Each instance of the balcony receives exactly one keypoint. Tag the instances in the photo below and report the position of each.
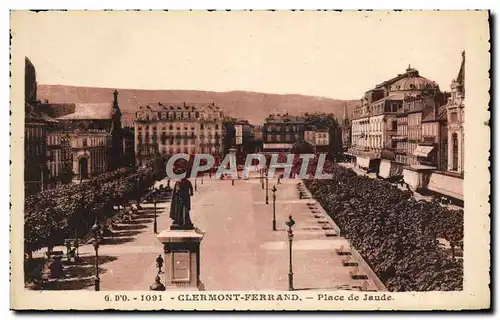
(399, 137)
(364, 152)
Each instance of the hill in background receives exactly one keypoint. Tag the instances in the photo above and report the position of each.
(252, 106)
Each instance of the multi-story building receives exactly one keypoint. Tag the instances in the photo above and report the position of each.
(244, 132)
(34, 135)
(168, 128)
(455, 111)
(68, 141)
(87, 119)
(280, 132)
(91, 150)
(128, 147)
(419, 142)
(375, 121)
(59, 157)
(434, 146)
(318, 137)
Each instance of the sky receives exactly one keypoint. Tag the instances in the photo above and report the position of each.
(329, 54)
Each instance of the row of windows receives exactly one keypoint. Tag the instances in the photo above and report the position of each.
(34, 132)
(372, 126)
(89, 142)
(278, 128)
(177, 115)
(185, 149)
(59, 168)
(178, 127)
(278, 137)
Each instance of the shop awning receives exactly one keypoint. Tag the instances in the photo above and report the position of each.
(423, 151)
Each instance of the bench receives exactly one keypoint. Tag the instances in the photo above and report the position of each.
(331, 233)
(349, 262)
(356, 274)
(364, 287)
(342, 251)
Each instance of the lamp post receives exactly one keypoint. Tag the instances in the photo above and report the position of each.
(262, 178)
(290, 224)
(267, 190)
(96, 231)
(138, 197)
(155, 223)
(274, 207)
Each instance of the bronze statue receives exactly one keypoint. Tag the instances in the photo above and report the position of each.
(181, 205)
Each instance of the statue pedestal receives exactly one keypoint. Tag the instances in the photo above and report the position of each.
(182, 259)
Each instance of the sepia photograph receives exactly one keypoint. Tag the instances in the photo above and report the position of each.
(254, 160)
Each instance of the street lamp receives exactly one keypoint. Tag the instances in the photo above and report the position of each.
(290, 224)
(96, 232)
(261, 178)
(267, 190)
(274, 207)
(155, 223)
(138, 198)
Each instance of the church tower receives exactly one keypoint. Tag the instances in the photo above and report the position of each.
(346, 129)
(455, 116)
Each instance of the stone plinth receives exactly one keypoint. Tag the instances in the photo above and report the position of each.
(182, 259)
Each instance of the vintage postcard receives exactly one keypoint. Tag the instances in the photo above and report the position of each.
(250, 160)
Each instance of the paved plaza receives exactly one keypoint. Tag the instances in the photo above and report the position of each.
(239, 251)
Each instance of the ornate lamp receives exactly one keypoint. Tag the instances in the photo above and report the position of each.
(290, 223)
(97, 234)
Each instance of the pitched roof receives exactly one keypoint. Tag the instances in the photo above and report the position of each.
(90, 111)
(442, 112)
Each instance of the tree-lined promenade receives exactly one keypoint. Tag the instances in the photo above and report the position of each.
(69, 211)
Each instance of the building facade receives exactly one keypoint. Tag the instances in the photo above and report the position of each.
(455, 111)
(280, 132)
(96, 137)
(59, 158)
(420, 126)
(167, 128)
(91, 150)
(318, 137)
(376, 119)
(35, 135)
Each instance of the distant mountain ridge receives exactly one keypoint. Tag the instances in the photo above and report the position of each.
(252, 106)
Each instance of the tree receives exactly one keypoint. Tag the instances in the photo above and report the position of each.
(395, 234)
(301, 147)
